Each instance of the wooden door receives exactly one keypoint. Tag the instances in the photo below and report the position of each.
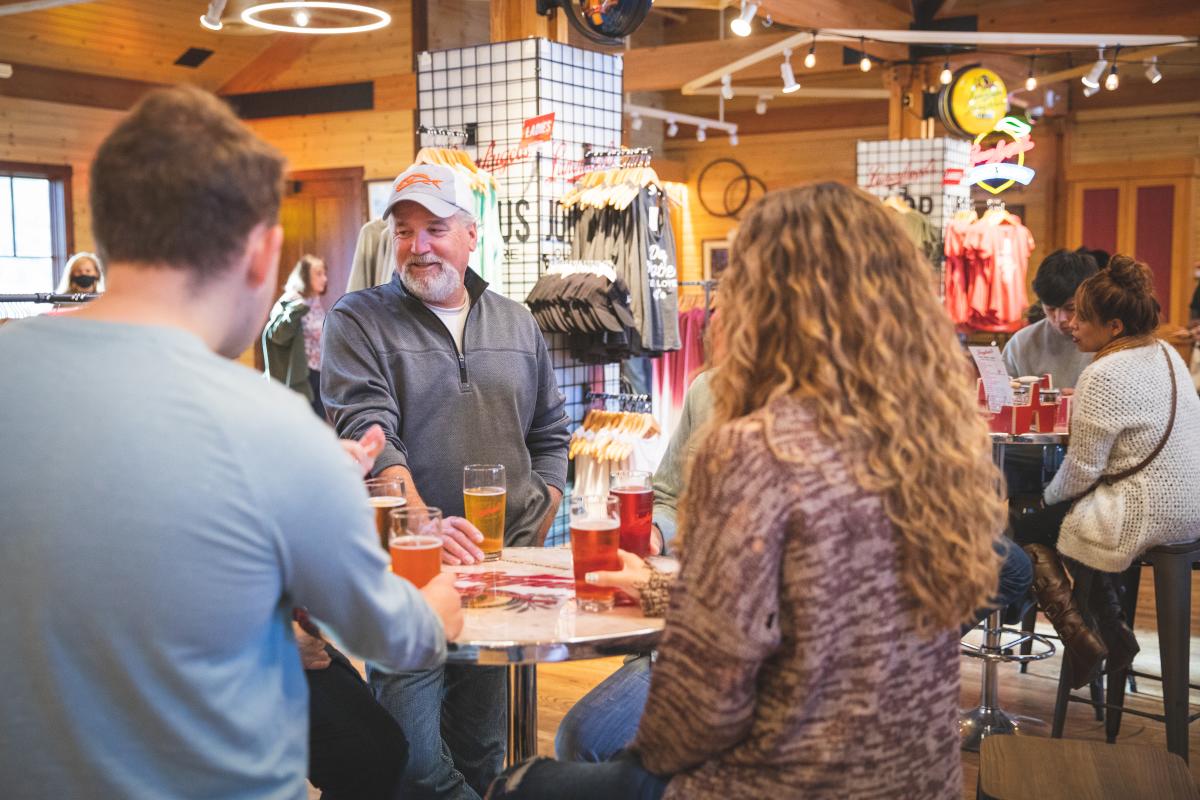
(321, 214)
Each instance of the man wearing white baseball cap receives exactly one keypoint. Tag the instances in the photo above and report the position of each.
(454, 375)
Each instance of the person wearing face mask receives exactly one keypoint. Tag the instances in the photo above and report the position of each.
(292, 338)
(454, 375)
(1128, 480)
(82, 274)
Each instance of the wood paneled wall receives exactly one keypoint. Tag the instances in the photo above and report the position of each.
(1134, 138)
(779, 160)
(381, 142)
(52, 133)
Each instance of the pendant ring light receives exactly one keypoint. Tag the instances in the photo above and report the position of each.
(379, 19)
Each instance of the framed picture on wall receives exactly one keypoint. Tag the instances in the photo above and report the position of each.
(716, 258)
(378, 193)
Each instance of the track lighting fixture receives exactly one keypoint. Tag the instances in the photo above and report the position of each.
(701, 134)
(1113, 80)
(1152, 72)
(672, 128)
(727, 86)
(810, 60)
(733, 140)
(1088, 91)
(946, 75)
(636, 122)
(212, 17)
(865, 64)
(741, 24)
(760, 107)
(1031, 81)
(1092, 79)
(785, 72)
(301, 18)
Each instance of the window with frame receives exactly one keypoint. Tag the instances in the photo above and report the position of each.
(35, 226)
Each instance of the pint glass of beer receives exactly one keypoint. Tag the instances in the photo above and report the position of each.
(635, 499)
(595, 533)
(483, 500)
(386, 495)
(416, 543)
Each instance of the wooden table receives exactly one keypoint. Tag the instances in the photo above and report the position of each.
(520, 611)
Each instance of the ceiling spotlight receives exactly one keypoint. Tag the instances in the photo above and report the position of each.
(1031, 81)
(810, 60)
(1152, 72)
(741, 25)
(785, 72)
(212, 17)
(672, 128)
(733, 140)
(946, 75)
(865, 64)
(1088, 91)
(760, 107)
(301, 18)
(727, 86)
(1092, 79)
(636, 122)
(701, 134)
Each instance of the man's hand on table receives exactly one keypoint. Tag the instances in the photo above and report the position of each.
(460, 540)
(443, 599)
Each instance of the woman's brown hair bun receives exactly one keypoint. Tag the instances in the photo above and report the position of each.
(1123, 290)
(1130, 275)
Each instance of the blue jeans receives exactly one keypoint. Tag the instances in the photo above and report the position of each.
(624, 777)
(455, 721)
(605, 720)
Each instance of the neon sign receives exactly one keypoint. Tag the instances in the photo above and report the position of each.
(1003, 163)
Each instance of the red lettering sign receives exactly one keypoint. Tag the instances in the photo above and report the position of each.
(1001, 152)
(538, 129)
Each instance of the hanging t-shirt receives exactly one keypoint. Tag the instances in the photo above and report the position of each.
(455, 320)
(662, 275)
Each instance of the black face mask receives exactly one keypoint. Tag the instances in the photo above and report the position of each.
(84, 281)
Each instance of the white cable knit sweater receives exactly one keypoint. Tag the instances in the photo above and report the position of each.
(1121, 410)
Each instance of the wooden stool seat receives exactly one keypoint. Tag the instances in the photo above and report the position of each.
(1012, 767)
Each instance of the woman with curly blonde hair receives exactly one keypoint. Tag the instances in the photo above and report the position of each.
(839, 524)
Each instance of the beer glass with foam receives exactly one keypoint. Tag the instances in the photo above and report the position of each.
(484, 495)
(386, 495)
(635, 498)
(416, 543)
(595, 533)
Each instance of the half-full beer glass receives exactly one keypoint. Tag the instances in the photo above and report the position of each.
(595, 533)
(483, 500)
(386, 495)
(416, 543)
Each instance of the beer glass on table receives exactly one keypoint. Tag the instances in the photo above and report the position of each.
(416, 543)
(386, 495)
(635, 498)
(483, 502)
(595, 533)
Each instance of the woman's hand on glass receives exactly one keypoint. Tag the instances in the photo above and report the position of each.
(634, 574)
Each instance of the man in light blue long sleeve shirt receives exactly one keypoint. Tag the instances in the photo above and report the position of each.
(164, 509)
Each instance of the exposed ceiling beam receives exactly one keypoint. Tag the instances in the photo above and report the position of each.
(1099, 16)
(814, 93)
(275, 59)
(36, 5)
(836, 13)
(74, 88)
(1077, 72)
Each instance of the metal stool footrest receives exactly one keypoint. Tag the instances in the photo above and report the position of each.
(999, 652)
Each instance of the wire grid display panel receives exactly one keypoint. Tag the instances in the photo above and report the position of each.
(922, 171)
(492, 89)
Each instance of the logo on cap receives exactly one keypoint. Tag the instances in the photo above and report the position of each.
(415, 179)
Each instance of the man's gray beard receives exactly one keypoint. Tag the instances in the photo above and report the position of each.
(436, 289)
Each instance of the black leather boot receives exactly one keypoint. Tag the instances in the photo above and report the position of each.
(1105, 605)
(1053, 591)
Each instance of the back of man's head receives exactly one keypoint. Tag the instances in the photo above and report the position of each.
(1060, 274)
(180, 183)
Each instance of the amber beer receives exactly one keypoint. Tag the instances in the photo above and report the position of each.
(484, 500)
(417, 558)
(386, 495)
(595, 534)
(635, 498)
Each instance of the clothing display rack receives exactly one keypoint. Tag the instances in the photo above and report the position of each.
(709, 287)
(464, 137)
(637, 403)
(47, 297)
(599, 158)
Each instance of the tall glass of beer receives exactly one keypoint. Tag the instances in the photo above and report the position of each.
(635, 498)
(416, 543)
(595, 533)
(386, 495)
(483, 500)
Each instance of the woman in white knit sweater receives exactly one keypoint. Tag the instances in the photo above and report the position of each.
(1118, 492)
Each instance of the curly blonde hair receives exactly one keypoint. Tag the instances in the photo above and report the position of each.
(826, 299)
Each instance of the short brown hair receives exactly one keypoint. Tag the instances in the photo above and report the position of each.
(1123, 290)
(181, 182)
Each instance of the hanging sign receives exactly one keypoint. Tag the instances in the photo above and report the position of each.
(537, 129)
(998, 167)
(973, 102)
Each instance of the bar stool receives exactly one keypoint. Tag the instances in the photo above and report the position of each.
(988, 719)
(1172, 565)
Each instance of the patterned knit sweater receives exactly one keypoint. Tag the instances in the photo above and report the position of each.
(1121, 409)
(790, 666)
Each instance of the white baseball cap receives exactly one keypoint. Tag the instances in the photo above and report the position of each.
(443, 190)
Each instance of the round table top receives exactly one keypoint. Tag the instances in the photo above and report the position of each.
(521, 610)
(1008, 439)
